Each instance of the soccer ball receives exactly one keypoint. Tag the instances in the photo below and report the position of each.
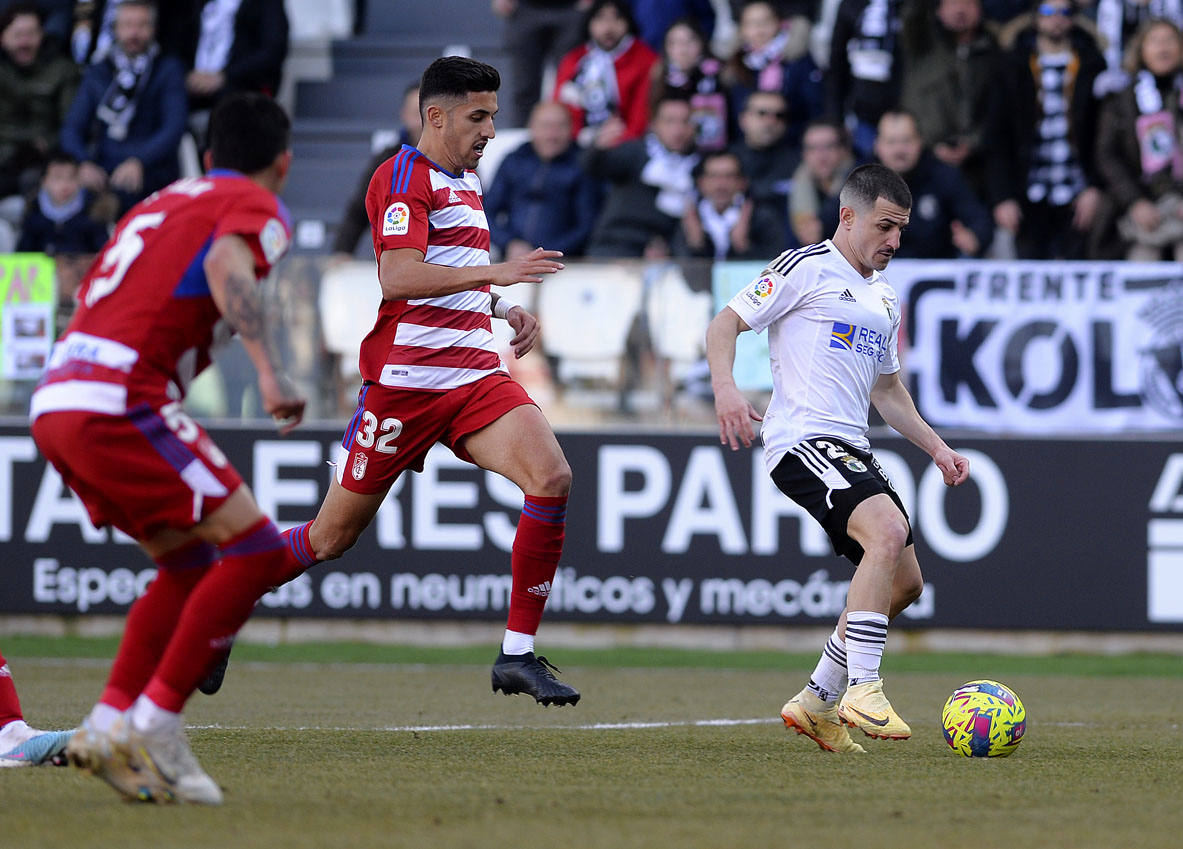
(984, 719)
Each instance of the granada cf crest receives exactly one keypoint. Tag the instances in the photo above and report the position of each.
(359, 465)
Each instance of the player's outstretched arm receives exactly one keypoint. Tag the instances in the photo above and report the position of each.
(893, 401)
(230, 270)
(733, 410)
(403, 273)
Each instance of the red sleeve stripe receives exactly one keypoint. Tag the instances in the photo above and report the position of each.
(466, 237)
(473, 358)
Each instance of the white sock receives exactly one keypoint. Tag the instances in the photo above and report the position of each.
(515, 642)
(866, 634)
(829, 676)
(148, 716)
(102, 717)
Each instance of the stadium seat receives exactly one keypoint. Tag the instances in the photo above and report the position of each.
(506, 141)
(586, 312)
(348, 301)
(677, 317)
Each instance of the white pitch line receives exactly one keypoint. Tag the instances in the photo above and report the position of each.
(593, 726)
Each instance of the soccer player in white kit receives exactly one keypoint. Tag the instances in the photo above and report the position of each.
(833, 323)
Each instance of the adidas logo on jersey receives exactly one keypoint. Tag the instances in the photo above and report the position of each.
(542, 589)
(846, 296)
(453, 197)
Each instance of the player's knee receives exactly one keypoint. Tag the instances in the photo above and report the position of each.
(890, 539)
(554, 480)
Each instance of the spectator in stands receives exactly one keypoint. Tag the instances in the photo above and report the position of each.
(947, 219)
(866, 69)
(768, 159)
(540, 195)
(722, 223)
(1042, 169)
(233, 45)
(953, 66)
(650, 185)
(773, 56)
(1117, 23)
(129, 114)
(687, 69)
(62, 220)
(36, 87)
(94, 28)
(537, 32)
(1139, 152)
(605, 80)
(355, 221)
(826, 159)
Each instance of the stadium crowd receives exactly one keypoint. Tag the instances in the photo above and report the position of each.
(1045, 130)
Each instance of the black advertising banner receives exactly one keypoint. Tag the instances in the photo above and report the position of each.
(1049, 534)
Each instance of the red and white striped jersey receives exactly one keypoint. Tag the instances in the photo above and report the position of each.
(146, 319)
(430, 343)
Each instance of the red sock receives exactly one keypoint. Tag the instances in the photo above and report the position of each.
(218, 606)
(10, 705)
(298, 554)
(536, 551)
(151, 621)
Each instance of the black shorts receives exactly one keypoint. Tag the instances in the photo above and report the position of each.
(829, 478)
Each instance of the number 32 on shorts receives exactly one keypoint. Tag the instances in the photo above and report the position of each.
(386, 433)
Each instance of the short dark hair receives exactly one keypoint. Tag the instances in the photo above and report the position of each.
(58, 156)
(867, 183)
(247, 130)
(833, 124)
(622, 7)
(456, 76)
(700, 167)
(16, 10)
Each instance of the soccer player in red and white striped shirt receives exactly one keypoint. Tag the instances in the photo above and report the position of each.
(430, 370)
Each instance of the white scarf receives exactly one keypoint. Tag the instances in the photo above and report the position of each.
(595, 88)
(217, 34)
(718, 225)
(669, 172)
(127, 83)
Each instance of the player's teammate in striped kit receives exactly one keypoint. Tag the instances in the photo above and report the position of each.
(833, 323)
(430, 369)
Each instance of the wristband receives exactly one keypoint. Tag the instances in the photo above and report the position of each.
(502, 307)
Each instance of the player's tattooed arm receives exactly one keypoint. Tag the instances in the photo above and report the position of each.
(244, 306)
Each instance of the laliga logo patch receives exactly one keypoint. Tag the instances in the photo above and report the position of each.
(759, 291)
(397, 220)
(273, 240)
(360, 461)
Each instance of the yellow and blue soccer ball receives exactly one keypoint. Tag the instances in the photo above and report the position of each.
(984, 719)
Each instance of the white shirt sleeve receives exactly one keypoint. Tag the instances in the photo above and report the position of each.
(768, 297)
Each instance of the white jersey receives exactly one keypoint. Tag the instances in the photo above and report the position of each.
(831, 333)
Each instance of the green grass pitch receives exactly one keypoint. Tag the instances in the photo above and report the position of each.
(379, 746)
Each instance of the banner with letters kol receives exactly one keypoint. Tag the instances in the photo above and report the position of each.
(1044, 348)
(1073, 534)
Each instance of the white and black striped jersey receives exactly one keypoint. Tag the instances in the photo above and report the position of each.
(831, 333)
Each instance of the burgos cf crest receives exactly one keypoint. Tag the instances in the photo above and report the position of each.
(360, 461)
(758, 292)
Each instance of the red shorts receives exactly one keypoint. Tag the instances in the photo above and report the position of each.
(393, 429)
(151, 469)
